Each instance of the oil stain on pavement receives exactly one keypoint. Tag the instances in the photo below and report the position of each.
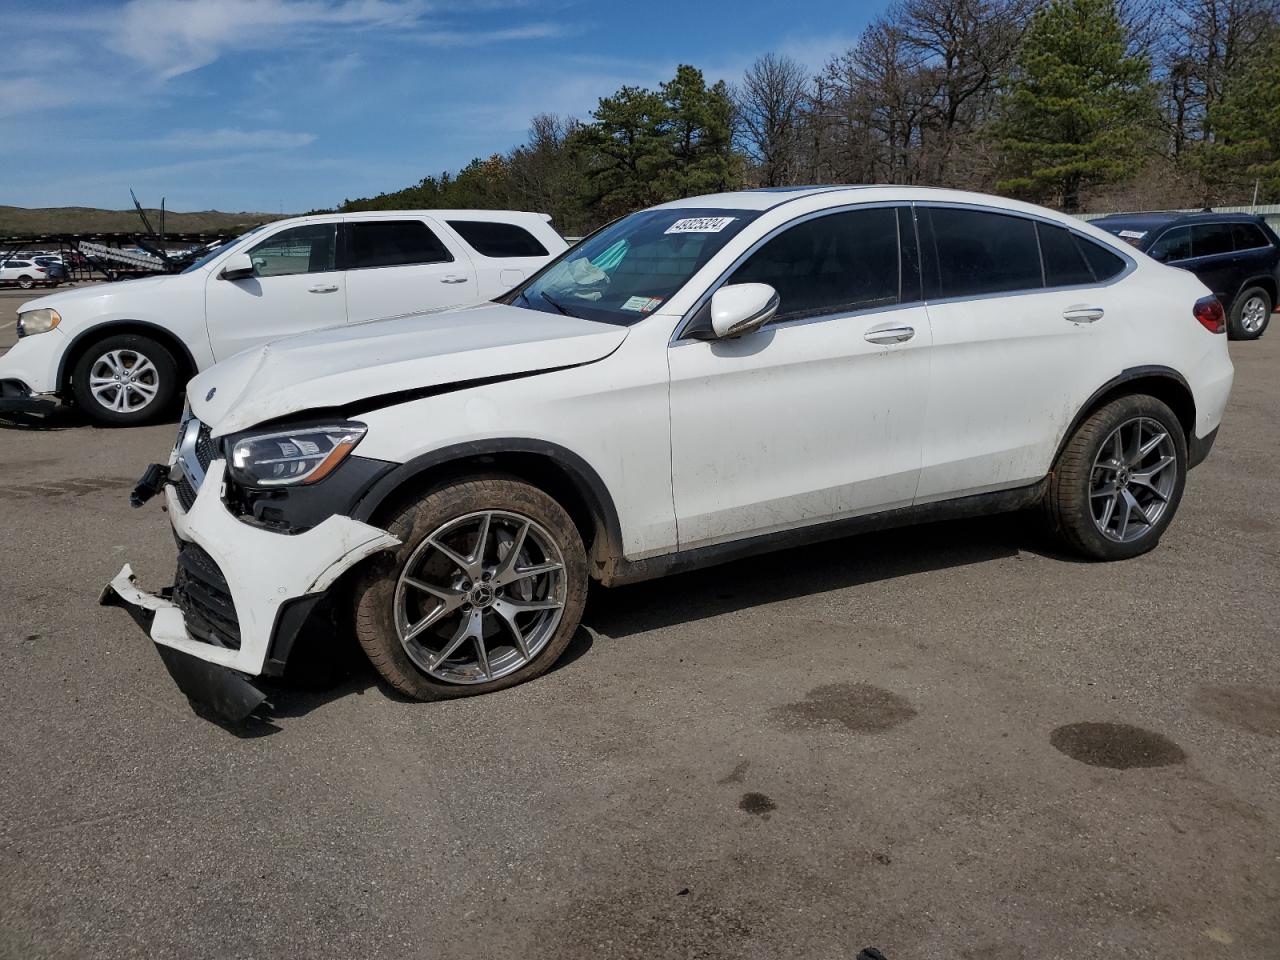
(858, 707)
(757, 804)
(1116, 745)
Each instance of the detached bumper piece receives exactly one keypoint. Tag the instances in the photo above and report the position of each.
(16, 397)
(214, 691)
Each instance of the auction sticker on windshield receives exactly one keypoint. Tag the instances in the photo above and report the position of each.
(700, 225)
(641, 304)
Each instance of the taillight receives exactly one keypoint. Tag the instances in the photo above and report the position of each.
(1211, 315)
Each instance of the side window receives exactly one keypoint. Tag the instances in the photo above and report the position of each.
(1064, 262)
(1102, 261)
(393, 243)
(980, 252)
(1211, 239)
(491, 239)
(831, 264)
(1173, 245)
(1248, 236)
(310, 248)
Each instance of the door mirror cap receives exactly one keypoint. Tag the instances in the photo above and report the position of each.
(741, 308)
(236, 267)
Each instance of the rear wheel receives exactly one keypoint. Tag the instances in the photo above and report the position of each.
(26, 283)
(485, 591)
(1250, 314)
(125, 380)
(1116, 486)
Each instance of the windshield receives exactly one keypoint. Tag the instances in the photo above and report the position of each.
(627, 270)
(220, 249)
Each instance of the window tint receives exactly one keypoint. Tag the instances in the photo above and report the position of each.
(837, 263)
(1211, 239)
(310, 248)
(1064, 262)
(393, 243)
(1102, 261)
(1173, 245)
(981, 252)
(1248, 236)
(498, 239)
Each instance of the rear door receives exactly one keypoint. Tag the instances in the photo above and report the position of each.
(504, 254)
(1256, 254)
(817, 415)
(297, 286)
(397, 265)
(1214, 259)
(1018, 344)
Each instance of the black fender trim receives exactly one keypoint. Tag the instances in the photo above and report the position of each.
(110, 329)
(621, 570)
(581, 473)
(1130, 374)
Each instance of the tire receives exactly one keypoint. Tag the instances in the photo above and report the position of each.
(1250, 314)
(26, 283)
(1083, 470)
(387, 607)
(147, 398)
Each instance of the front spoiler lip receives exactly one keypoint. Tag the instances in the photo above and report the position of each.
(18, 401)
(213, 690)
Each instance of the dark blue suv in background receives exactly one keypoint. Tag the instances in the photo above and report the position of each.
(1236, 255)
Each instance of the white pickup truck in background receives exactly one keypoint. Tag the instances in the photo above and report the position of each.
(122, 351)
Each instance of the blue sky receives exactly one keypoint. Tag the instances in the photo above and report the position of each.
(292, 104)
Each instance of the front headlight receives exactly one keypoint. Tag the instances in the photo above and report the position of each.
(37, 321)
(287, 457)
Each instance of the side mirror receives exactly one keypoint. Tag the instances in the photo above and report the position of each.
(741, 308)
(236, 267)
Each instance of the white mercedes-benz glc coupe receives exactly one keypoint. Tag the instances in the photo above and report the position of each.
(693, 383)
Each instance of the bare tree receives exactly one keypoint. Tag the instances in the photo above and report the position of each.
(770, 104)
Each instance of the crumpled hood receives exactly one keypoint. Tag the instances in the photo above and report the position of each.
(343, 365)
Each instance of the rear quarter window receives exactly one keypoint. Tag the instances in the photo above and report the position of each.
(1102, 261)
(1248, 236)
(490, 239)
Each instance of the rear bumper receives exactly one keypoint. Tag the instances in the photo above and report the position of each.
(257, 589)
(1199, 447)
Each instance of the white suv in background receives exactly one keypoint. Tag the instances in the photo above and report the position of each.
(123, 351)
(693, 383)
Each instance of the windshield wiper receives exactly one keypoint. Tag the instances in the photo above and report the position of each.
(557, 304)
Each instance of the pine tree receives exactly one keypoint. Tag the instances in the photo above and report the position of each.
(1247, 127)
(1079, 109)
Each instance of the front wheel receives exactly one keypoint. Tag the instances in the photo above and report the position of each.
(1117, 484)
(1250, 314)
(485, 591)
(125, 380)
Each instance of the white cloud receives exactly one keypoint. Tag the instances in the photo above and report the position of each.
(231, 138)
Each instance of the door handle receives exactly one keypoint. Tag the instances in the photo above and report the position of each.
(454, 280)
(889, 334)
(329, 288)
(1083, 314)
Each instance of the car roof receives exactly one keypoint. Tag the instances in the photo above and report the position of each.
(1152, 221)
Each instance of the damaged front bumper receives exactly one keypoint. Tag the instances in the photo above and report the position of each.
(16, 397)
(242, 593)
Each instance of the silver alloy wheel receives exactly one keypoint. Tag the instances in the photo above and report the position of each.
(1253, 314)
(1133, 477)
(480, 597)
(124, 381)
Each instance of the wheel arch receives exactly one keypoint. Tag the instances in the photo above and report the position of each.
(555, 469)
(1266, 282)
(85, 339)
(1163, 383)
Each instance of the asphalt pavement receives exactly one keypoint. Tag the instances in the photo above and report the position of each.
(948, 741)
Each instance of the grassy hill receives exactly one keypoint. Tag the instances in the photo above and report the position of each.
(34, 220)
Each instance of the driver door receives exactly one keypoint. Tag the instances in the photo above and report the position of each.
(296, 287)
(818, 415)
